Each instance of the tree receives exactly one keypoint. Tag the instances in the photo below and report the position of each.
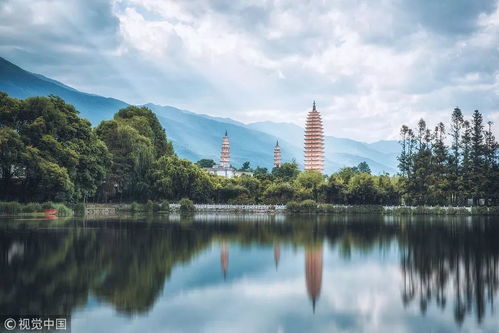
(147, 124)
(286, 172)
(279, 193)
(205, 163)
(439, 182)
(58, 156)
(362, 190)
(477, 155)
(245, 167)
(363, 167)
(175, 178)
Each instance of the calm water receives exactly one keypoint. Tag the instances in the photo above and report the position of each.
(225, 273)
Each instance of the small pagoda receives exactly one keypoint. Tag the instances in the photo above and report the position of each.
(314, 142)
(277, 155)
(224, 169)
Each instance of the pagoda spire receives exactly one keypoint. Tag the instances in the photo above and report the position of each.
(313, 107)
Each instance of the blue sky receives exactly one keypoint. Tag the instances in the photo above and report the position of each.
(371, 66)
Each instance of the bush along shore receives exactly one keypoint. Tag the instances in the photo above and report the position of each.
(35, 208)
(186, 206)
(310, 206)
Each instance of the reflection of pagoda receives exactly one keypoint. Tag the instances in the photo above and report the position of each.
(314, 141)
(277, 254)
(224, 259)
(313, 273)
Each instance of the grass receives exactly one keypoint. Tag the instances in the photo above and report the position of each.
(15, 208)
(310, 206)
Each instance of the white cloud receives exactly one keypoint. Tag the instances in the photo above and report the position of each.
(371, 66)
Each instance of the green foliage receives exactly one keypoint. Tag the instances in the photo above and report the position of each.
(10, 207)
(165, 206)
(186, 205)
(47, 152)
(48, 205)
(287, 172)
(79, 208)
(205, 163)
(135, 207)
(293, 207)
(149, 206)
(175, 178)
(63, 210)
(32, 207)
(435, 174)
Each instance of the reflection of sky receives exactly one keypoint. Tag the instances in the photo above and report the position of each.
(362, 293)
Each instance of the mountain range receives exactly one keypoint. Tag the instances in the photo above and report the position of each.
(196, 136)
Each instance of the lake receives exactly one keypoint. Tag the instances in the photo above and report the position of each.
(254, 273)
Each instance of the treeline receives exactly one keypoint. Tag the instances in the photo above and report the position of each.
(458, 166)
(49, 153)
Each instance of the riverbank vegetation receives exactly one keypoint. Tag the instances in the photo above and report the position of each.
(33, 208)
(49, 153)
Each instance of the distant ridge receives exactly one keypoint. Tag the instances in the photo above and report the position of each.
(197, 136)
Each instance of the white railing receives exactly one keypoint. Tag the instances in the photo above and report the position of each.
(233, 207)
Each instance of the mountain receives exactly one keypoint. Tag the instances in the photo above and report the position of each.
(197, 136)
(19, 83)
(381, 156)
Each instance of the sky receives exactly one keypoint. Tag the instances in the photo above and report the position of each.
(371, 66)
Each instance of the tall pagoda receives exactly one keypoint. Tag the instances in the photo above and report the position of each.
(314, 141)
(225, 153)
(277, 155)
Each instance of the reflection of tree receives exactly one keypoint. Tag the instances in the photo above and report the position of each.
(127, 264)
(126, 267)
(441, 259)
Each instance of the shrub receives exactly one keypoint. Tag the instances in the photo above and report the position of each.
(165, 206)
(135, 207)
(308, 206)
(48, 205)
(149, 206)
(494, 210)
(325, 208)
(186, 205)
(156, 207)
(63, 210)
(479, 211)
(79, 209)
(293, 207)
(10, 207)
(32, 207)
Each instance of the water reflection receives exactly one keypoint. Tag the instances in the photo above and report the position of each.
(127, 265)
(313, 273)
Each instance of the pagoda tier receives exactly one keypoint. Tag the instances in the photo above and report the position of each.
(314, 142)
(225, 152)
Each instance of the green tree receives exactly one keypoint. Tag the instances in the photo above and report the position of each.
(205, 163)
(175, 178)
(364, 167)
(477, 156)
(59, 156)
(362, 190)
(286, 172)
